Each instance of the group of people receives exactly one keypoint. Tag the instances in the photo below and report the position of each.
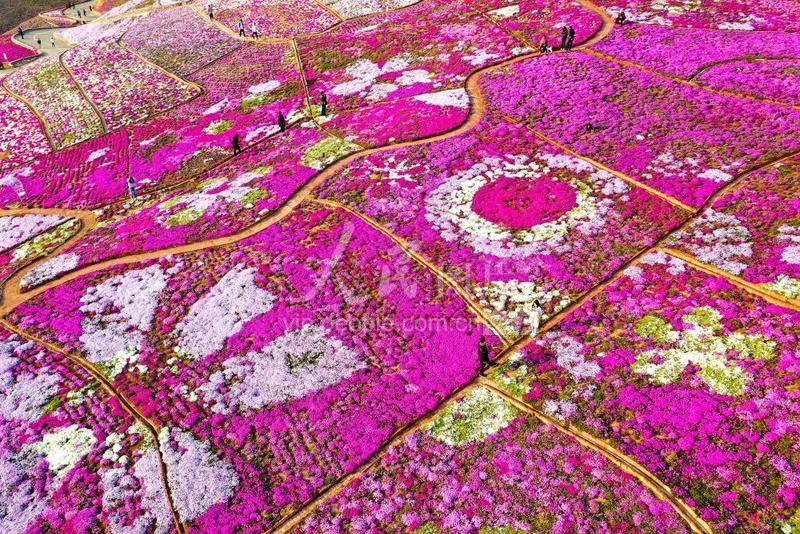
(567, 37)
(483, 350)
(236, 143)
(253, 29)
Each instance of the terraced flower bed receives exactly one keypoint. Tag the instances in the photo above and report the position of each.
(689, 375)
(651, 128)
(310, 360)
(47, 86)
(125, 88)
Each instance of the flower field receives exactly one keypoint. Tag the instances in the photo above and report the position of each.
(438, 266)
(125, 88)
(69, 117)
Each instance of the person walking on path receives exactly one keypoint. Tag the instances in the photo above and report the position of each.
(564, 36)
(21, 32)
(39, 42)
(324, 104)
(621, 18)
(254, 30)
(483, 355)
(131, 187)
(237, 149)
(281, 121)
(211, 11)
(571, 38)
(240, 27)
(52, 42)
(536, 317)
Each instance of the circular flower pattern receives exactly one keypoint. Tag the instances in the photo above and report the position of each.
(509, 207)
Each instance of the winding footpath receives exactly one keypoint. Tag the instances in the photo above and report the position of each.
(13, 295)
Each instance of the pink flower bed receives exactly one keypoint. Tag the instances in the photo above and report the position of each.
(655, 130)
(689, 375)
(753, 231)
(72, 460)
(288, 357)
(475, 205)
(684, 51)
(124, 88)
(404, 119)
(222, 202)
(22, 136)
(50, 90)
(532, 20)
(481, 465)
(244, 92)
(427, 47)
(36, 246)
(11, 51)
(783, 15)
(178, 40)
(275, 18)
(85, 176)
(777, 80)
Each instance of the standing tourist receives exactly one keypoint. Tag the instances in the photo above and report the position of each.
(324, 104)
(281, 121)
(564, 36)
(211, 11)
(571, 38)
(131, 187)
(536, 317)
(254, 30)
(483, 355)
(240, 27)
(237, 149)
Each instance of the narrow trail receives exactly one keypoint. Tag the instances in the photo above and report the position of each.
(769, 296)
(83, 92)
(622, 176)
(678, 79)
(621, 460)
(129, 407)
(755, 58)
(417, 257)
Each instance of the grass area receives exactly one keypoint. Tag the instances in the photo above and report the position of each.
(12, 12)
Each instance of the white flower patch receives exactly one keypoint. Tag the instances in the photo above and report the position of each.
(97, 154)
(449, 210)
(675, 266)
(785, 285)
(198, 478)
(505, 12)
(196, 203)
(297, 362)
(457, 98)
(513, 301)
(22, 502)
(480, 57)
(50, 269)
(475, 417)
(12, 180)
(570, 357)
(18, 229)
(24, 397)
(64, 448)
(791, 236)
(222, 312)
(676, 7)
(216, 108)
(364, 73)
(265, 87)
(746, 22)
(667, 163)
(560, 409)
(118, 312)
(718, 239)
